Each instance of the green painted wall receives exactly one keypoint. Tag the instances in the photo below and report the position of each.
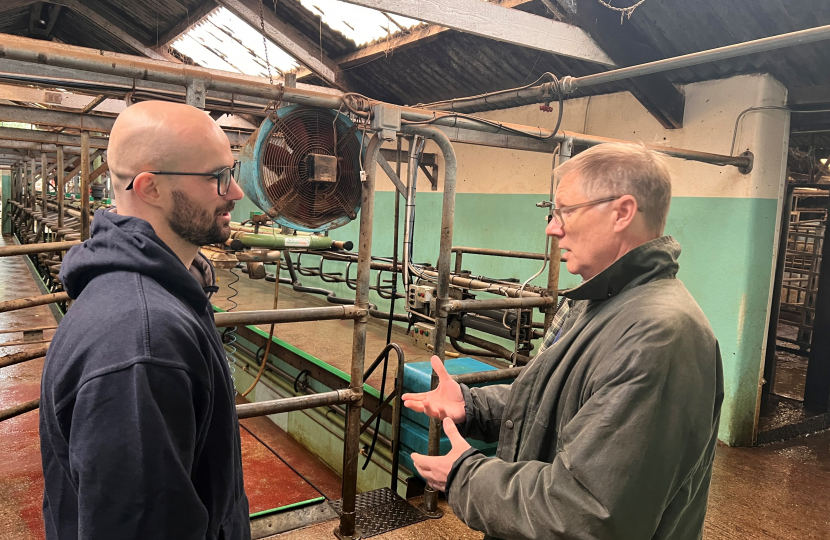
(726, 265)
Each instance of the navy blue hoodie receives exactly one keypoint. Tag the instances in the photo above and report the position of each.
(138, 429)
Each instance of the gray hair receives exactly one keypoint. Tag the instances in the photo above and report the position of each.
(616, 169)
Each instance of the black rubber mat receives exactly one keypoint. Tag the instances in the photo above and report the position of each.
(380, 511)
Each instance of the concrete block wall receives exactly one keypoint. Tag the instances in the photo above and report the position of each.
(725, 221)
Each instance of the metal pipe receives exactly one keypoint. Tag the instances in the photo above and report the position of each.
(84, 185)
(533, 94)
(499, 253)
(132, 67)
(351, 447)
(278, 316)
(17, 410)
(281, 241)
(415, 146)
(44, 184)
(43, 247)
(488, 376)
(25, 356)
(22, 303)
(455, 306)
(430, 504)
(283, 405)
(484, 286)
(61, 186)
(495, 348)
(569, 84)
(562, 154)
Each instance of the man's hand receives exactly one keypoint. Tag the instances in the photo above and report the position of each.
(435, 469)
(446, 401)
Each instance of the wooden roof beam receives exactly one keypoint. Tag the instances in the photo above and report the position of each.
(176, 31)
(500, 23)
(112, 29)
(625, 46)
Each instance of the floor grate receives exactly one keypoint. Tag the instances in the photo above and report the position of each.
(380, 511)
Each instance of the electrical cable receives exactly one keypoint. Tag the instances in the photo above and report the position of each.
(229, 334)
(766, 108)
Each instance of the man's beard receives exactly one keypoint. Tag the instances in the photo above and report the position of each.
(194, 224)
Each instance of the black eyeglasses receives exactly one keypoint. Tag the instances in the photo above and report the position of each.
(559, 213)
(223, 177)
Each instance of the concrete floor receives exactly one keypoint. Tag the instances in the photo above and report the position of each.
(781, 491)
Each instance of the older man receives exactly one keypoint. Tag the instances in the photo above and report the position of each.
(609, 433)
(138, 428)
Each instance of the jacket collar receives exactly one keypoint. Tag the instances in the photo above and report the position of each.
(656, 259)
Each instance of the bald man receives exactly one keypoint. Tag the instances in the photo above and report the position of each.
(138, 429)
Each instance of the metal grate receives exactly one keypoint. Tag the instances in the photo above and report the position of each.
(380, 511)
(308, 131)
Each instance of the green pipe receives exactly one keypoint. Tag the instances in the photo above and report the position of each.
(281, 241)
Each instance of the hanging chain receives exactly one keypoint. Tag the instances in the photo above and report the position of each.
(265, 41)
(623, 11)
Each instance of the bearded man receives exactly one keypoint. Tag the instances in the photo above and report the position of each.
(138, 428)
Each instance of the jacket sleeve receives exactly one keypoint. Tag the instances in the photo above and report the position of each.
(484, 407)
(618, 462)
(131, 449)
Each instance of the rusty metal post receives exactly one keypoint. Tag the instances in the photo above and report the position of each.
(60, 185)
(44, 183)
(351, 448)
(32, 193)
(430, 505)
(84, 185)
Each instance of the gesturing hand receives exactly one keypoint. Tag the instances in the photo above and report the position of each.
(446, 401)
(435, 469)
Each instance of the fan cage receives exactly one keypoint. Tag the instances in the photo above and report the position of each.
(295, 199)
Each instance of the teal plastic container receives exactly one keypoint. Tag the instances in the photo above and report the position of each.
(415, 426)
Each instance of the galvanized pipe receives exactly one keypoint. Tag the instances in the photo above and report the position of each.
(44, 184)
(61, 195)
(43, 247)
(296, 403)
(811, 35)
(483, 286)
(85, 185)
(22, 303)
(455, 306)
(17, 410)
(25, 356)
(278, 316)
(430, 504)
(351, 447)
(500, 253)
(35, 51)
(409, 210)
(488, 376)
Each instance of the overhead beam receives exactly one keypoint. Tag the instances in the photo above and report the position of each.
(110, 28)
(499, 23)
(808, 96)
(187, 22)
(10, 113)
(8, 5)
(414, 38)
(627, 47)
(29, 94)
(47, 137)
(72, 120)
(289, 39)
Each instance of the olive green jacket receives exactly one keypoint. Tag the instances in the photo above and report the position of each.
(611, 432)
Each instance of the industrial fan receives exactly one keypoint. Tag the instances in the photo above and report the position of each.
(302, 168)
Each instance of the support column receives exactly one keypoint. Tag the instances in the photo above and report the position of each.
(44, 183)
(32, 194)
(817, 388)
(84, 185)
(61, 186)
(351, 446)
